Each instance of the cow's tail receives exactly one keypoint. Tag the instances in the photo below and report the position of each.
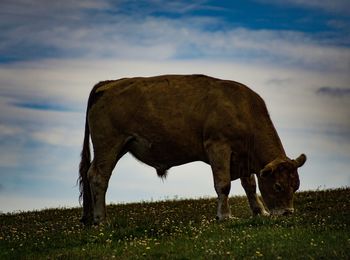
(85, 163)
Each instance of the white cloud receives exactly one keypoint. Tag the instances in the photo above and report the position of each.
(10, 151)
(59, 136)
(9, 156)
(286, 68)
(6, 130)
(290, 95)
(70, 81)
(15, 203)
(139, 36)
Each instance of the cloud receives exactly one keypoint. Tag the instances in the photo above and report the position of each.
(46, 143)
(43, 100)
(10, 156)
(42, 105)
(282, 47)
(63, 136)
(17, 203)
(6, 130)
(34, 29)
(139, 34)
(334, 91)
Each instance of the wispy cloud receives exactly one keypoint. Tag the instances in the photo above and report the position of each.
(42, 105)
(139, 34)
(6, 130)
(62, 50)
(59, 136)
(303, 118)
(334, 91)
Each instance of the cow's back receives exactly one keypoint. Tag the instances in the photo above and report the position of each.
(173, 114)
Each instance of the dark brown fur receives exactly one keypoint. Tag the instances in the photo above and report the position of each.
(171, 120)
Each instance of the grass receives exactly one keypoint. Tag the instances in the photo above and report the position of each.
(184, 229)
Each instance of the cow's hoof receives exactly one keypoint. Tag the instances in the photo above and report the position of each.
(260, 212)
(282, 212)
(99, 220)
(224, 217)
(86, 221)
(264, 213)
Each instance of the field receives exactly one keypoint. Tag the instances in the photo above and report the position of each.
(184, 229)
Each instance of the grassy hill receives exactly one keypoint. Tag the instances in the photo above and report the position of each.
(185, 229)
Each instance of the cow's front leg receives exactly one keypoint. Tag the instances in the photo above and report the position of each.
(219, 158)
(255, 204)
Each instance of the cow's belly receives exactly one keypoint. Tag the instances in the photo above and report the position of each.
(162, 153)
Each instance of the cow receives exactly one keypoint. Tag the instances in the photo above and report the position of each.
(170, 120)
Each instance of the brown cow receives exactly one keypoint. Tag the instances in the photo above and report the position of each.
(171, 120)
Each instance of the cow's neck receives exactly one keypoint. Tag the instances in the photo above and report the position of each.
(268, 147)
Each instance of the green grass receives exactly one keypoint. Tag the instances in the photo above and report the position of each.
(184, 229)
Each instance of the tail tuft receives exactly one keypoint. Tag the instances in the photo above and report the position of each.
(162, 173)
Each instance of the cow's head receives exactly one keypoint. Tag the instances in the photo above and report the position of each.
(278, 181)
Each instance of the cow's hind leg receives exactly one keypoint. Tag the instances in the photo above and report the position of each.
(219, 158)
(99, 174)
(255, 204)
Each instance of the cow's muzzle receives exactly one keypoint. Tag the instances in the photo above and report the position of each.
(284, 212)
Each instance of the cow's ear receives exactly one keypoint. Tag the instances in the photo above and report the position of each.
(266, 172)
(298, 162)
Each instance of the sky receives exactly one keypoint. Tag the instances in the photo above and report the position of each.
(296, 55)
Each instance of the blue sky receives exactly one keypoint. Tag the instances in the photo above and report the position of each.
(295, 54)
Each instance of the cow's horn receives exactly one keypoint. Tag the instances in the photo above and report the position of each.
(300, 160)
